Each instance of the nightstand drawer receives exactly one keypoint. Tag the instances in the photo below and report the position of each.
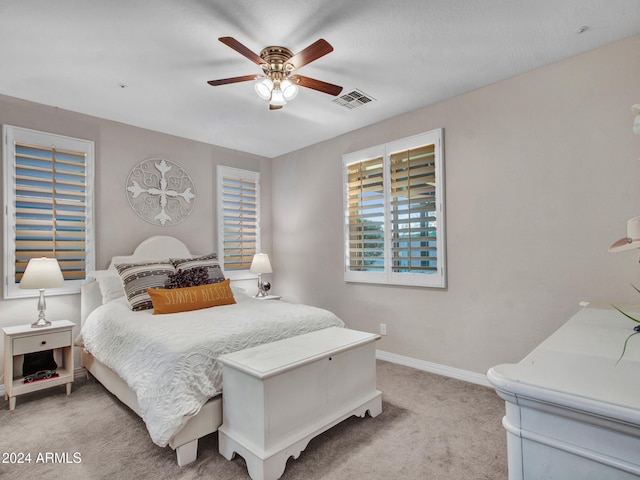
(37, 343)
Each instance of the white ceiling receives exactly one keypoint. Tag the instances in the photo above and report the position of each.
(77, 54)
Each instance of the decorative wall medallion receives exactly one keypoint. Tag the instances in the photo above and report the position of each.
(160, 192)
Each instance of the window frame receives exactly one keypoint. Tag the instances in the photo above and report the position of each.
(12, 135)
(387, 275)
(221, 172)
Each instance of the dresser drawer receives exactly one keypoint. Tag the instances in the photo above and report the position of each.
(37, 343)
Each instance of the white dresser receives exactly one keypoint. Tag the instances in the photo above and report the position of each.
(571, 412)
(278, 396)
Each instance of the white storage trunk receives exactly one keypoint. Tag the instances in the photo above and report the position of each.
(278, 396)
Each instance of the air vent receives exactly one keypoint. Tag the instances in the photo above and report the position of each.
(354, 99)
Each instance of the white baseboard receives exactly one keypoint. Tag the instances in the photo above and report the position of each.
(430, 367)
(436, 368)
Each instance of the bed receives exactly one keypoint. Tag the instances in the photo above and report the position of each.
(164, 367)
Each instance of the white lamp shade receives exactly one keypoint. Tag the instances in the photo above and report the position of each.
(260, 264)
(42, 273)
(277, 98)
(289, 90)
(263, 88)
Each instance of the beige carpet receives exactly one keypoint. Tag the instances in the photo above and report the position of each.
(431, 427)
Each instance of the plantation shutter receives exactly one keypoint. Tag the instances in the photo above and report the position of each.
(240, 194)
(48, 193)
(394, 212)
(50, 208)
(413, 210)
(365, 204)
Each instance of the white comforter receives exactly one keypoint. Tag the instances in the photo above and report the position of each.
(170, 361)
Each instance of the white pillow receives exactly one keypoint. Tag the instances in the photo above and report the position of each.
(110, 284)
(240, 294)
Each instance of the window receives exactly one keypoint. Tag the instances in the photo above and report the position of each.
(394, 212)
(48, 206)
(238, 220)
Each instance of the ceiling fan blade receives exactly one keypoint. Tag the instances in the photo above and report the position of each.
(241, 49)
(311, 53)
(226, 81)
(318, 85)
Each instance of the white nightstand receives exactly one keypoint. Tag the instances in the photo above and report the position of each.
(24, 339)
(269, 297)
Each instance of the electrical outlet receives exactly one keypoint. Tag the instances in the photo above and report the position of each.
(383, 329)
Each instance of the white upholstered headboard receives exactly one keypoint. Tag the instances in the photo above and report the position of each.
(158, 247)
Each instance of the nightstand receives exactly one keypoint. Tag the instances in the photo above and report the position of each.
(269, 297)
(23, 339)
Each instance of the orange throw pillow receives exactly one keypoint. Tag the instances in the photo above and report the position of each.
(174, 300)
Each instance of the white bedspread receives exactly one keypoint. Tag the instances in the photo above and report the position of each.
(170, 361)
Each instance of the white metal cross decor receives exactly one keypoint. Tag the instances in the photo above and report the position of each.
(160, 192)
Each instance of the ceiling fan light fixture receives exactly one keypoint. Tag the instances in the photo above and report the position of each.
(277, 85)
(289, 89)
(277, 98)
(264, 87)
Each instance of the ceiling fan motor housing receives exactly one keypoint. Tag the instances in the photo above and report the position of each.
(276, 66)
(276, 57)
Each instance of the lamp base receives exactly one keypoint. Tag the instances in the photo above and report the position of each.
(41, 322)
(263, 287)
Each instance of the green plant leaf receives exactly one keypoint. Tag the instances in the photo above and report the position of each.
(624, 347)
(626, 315)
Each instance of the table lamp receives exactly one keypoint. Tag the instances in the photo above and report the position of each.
(260, 265)
(42, 273)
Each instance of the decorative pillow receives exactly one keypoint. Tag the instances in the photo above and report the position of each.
(109, 283)
(209, 261)
(166, 300)
(137, 277)
(189, 278)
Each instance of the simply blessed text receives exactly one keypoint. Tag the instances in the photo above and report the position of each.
(186, 296)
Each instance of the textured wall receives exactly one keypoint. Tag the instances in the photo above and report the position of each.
(541, 176)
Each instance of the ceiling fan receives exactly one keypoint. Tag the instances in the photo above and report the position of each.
(279, 83)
